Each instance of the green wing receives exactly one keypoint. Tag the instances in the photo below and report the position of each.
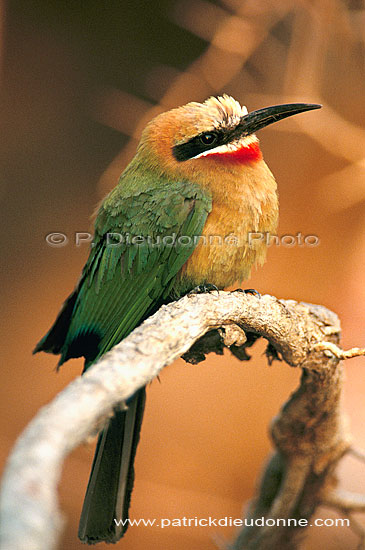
(136, 254)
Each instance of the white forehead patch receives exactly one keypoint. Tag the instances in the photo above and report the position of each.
(229, 111)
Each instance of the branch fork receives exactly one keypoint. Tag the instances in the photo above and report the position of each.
(309, 433)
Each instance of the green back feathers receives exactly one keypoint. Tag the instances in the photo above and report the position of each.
(143, 236)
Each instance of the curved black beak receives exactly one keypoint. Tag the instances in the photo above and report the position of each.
(256, 120)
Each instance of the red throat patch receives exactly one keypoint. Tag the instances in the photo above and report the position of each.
(242, 155)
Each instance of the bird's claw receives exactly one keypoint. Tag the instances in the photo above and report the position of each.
(203, 289)
(249, 291)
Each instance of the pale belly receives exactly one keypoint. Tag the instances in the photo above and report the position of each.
(233, 241)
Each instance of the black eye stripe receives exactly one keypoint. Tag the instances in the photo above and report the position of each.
(200, 143)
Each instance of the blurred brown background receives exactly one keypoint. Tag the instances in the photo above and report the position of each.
(79, 81)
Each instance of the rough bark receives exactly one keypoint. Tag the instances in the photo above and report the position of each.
(309, 433)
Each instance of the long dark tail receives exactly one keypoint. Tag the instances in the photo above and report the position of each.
(110, 485)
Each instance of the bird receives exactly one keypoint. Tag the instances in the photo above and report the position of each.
(198, 174)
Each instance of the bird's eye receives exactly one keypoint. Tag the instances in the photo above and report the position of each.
(208, 138)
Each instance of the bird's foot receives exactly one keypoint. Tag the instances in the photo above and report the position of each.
(248, 291)
(203, 289)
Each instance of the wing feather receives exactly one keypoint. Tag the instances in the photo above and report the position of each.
(123, 281)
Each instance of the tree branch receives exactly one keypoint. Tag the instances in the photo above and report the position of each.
(308, 434)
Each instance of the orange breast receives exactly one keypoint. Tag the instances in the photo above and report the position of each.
(243, 207)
